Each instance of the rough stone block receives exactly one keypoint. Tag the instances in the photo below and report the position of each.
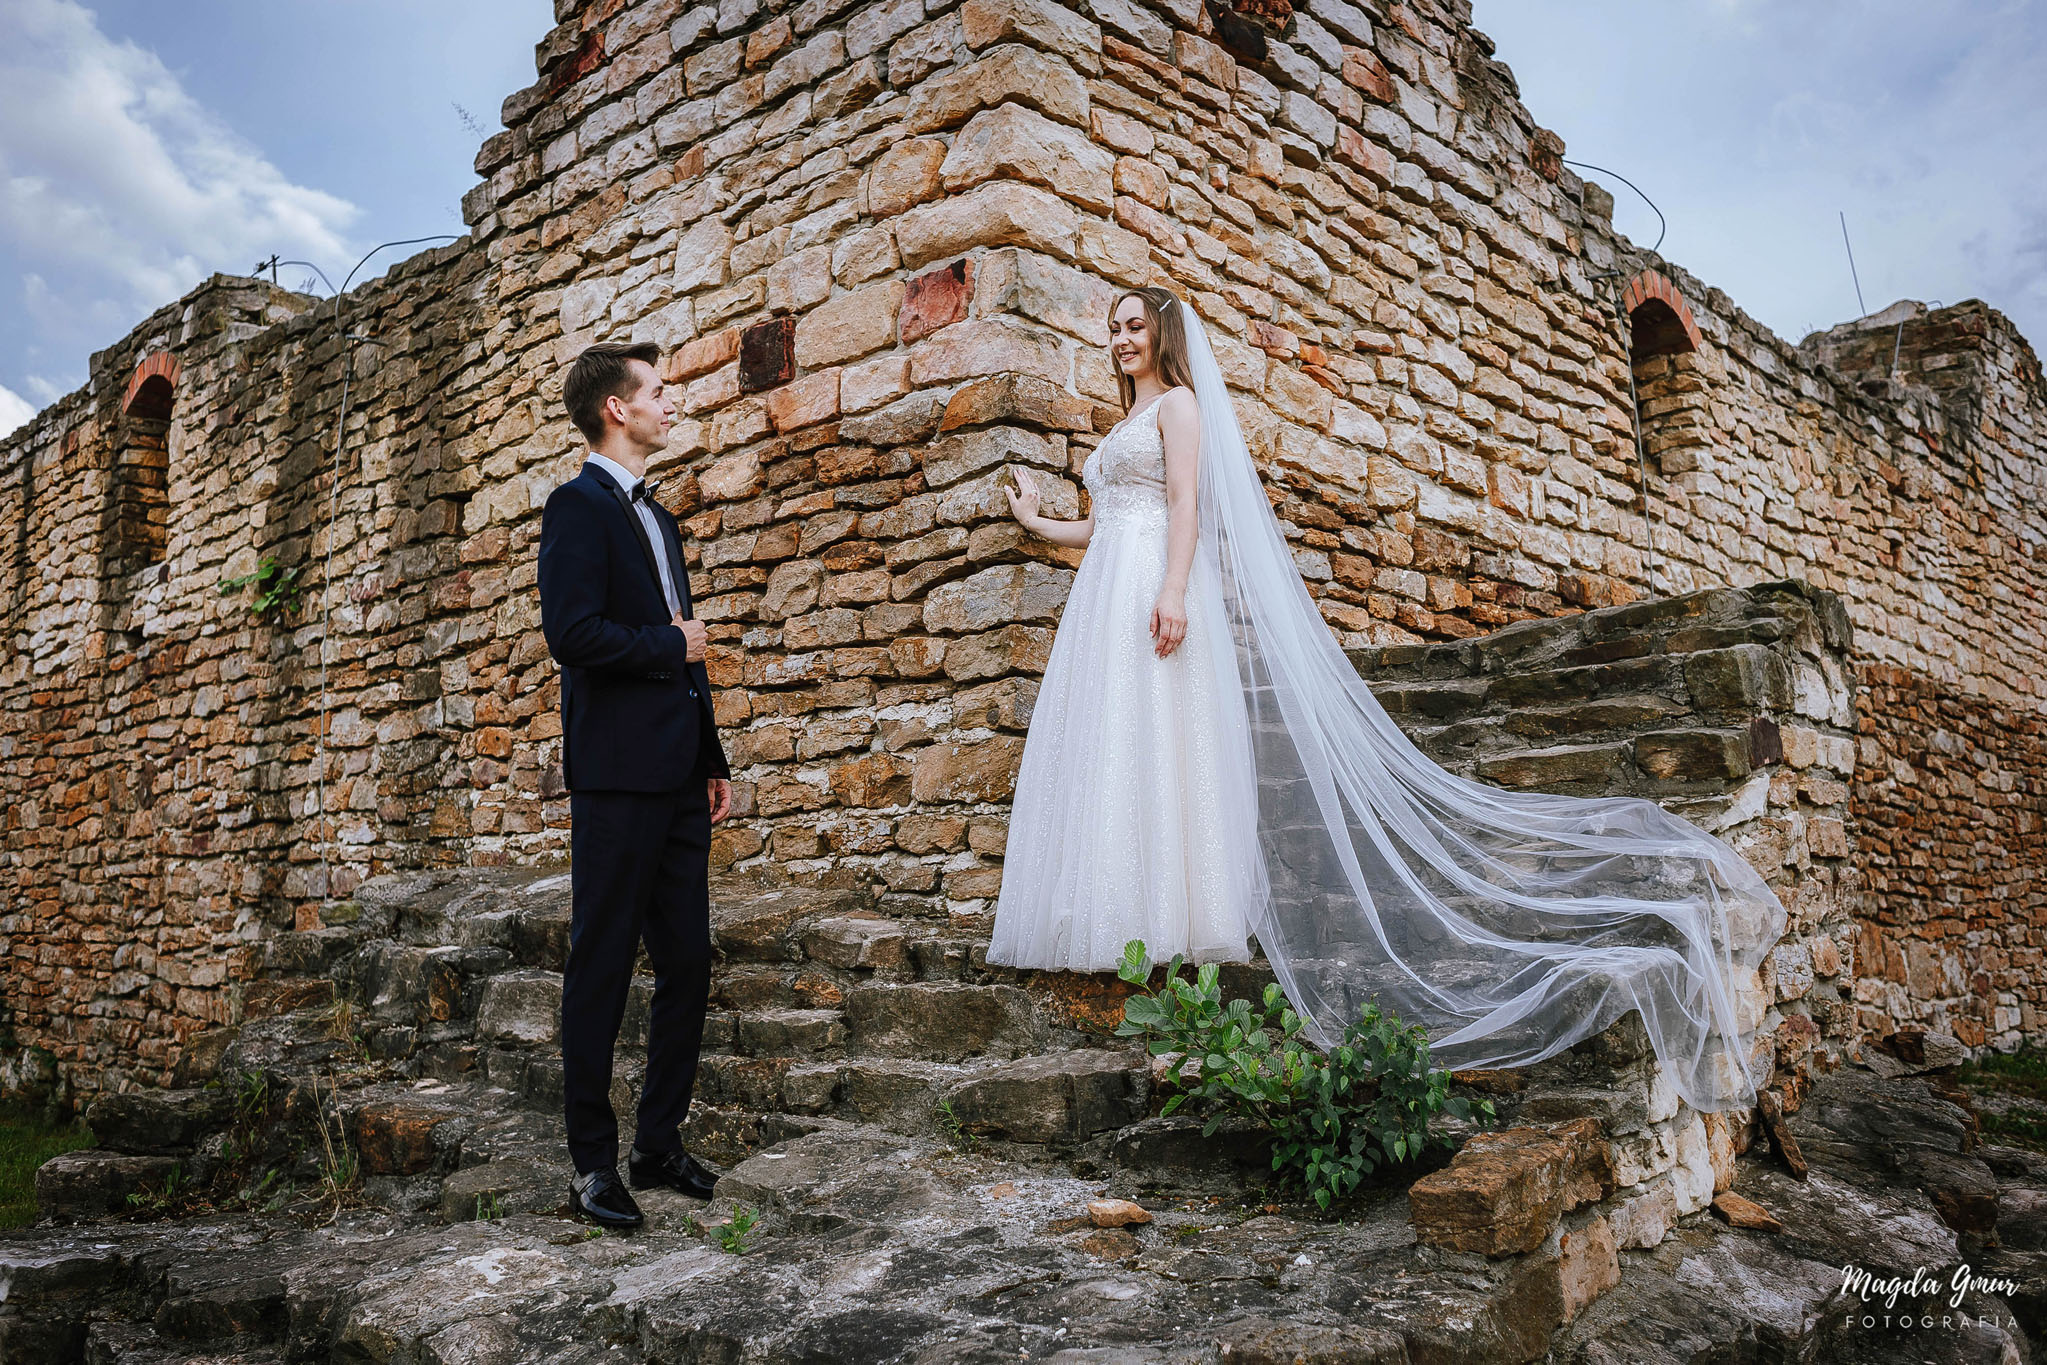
(784, 1033)
(1715, 757)
(1745, 1213)
(1176, 1147)
(1041, 23)
(701, 356)
(1266, 1341)
(701, 255)
(961, 456)
(1505, 1191)
(984, 770)
(1059, 1098)
(1018, 398)
(872, 781)
(857, 941)
(849, 326)
(1562, 767)
(981, 347)
(1016, 281)
(1012, 649)
(522, 1007)
(805, 403)
(905, 175)
(1645, 1219)
(141, 1121)
(801, 280)
(397, 1137)
(496, 1189)
(872, 383)
(902, 422)
(996, 596)
(91, 1183)
(1008, 71)
(1203, 59)
(935, 299)
(1738, 678)
(1010, 142)
(767, 354)
(941, 1022)
(990, 215)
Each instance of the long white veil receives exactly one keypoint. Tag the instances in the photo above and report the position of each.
(1512, 924)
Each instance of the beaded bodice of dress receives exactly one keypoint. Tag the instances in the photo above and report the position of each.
(1125, 475)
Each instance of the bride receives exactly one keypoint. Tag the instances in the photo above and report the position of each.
(1204, 764)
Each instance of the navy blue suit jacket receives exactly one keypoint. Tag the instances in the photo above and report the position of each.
(636, 713)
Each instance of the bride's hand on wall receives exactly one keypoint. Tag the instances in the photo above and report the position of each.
(1168, 622)
(1023, 498)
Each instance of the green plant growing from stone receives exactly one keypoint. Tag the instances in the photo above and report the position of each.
(273, 1184)
(164, 1197)
(1335, 1117)
(340, 1021)
(278, 590)
(488, 1208)
(338, 1164)
(733, 1233)
(955, 1131)
(252, 1106)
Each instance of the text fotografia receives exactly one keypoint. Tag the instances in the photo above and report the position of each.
(1922, 1285)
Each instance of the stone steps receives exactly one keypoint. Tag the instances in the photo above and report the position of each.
(851, 1062)
(876, 1245)
(434, 1007)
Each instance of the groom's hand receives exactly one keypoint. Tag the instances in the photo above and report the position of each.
(721, 799)
(694, 637)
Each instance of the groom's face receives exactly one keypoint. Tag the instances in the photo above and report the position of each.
(645, 412)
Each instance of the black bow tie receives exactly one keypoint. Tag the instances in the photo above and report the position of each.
(640, 493)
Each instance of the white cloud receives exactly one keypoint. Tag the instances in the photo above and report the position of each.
(1754, 125)
(14, 410)
(116, 182)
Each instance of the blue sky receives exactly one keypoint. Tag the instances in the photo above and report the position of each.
(1754, 124)
(146, 145)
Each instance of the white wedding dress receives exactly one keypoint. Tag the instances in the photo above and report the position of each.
(1251, 784)
(1118, 830)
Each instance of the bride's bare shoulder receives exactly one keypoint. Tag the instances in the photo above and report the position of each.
(1179, 402)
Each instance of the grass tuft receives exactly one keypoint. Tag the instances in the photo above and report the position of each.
(27, 1140)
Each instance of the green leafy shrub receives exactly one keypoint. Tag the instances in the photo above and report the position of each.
(1335, 1116)
(277, 587)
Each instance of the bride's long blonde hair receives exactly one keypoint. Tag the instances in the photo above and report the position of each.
(1168, 338)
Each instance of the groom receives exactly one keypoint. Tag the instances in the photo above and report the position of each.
(646, 776)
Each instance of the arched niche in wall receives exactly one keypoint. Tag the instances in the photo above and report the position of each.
(1671, 397)
(138, 492)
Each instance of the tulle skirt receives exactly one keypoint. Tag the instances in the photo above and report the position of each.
(1136, 805)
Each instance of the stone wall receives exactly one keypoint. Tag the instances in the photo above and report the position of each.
(880, 241)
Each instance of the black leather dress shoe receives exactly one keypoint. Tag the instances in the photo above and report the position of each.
(676, 1170)
(601, 1197)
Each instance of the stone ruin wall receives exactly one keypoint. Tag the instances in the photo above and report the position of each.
(880, 241)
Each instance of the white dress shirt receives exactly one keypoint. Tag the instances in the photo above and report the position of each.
(625, 479)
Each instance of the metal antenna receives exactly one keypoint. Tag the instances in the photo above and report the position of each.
(1899, 339)
(1662, 223)
(1851, 270)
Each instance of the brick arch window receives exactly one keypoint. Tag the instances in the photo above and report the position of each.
(138, 504)
(1673, 403)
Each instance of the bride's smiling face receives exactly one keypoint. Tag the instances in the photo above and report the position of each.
(1131, 344)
